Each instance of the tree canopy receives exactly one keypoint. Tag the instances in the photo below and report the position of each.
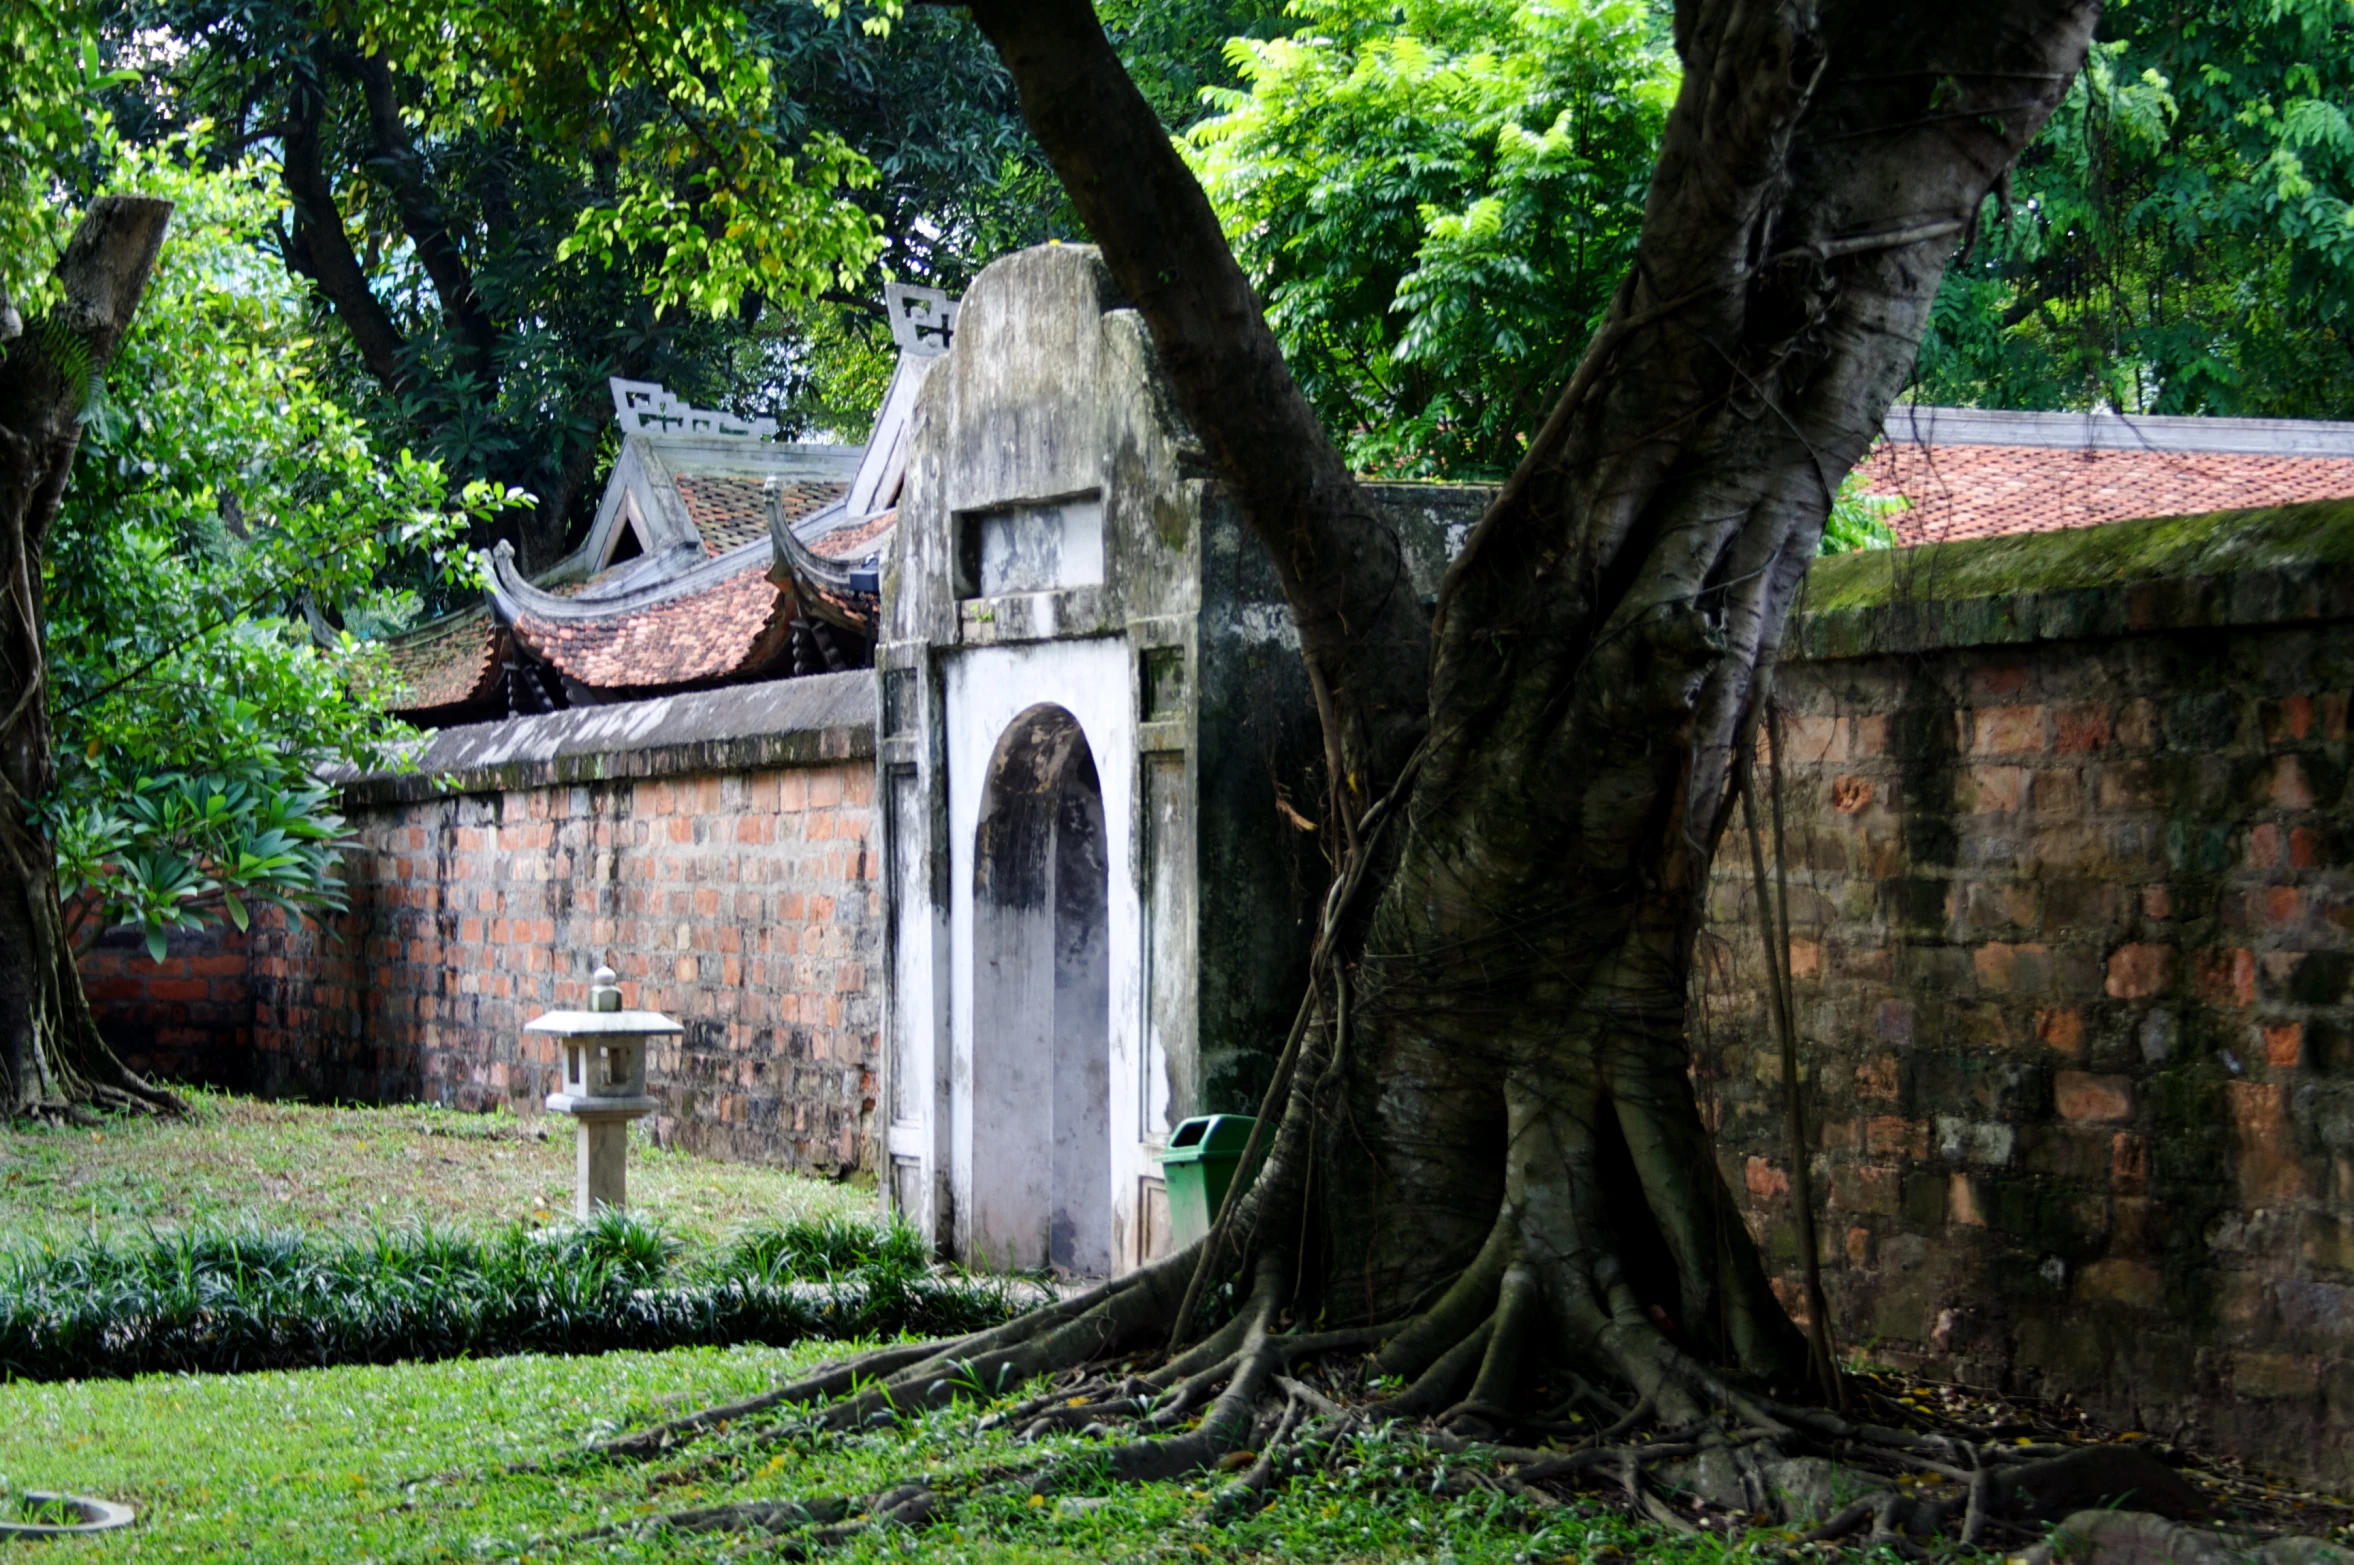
(1435, 201)
(2181, 237)
(501, 206)
(222, 550)
(498, 207)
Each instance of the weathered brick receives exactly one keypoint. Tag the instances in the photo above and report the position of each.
(673, 909)
(2135, 1284)
(2008, 730)
(1991, 790)
(2080, 729)
(2138, 971)
(2060, 1027)
(2268, 1166)
(2084, 1097)
(2275, 1375)
(2225, 976)
(2288, 786)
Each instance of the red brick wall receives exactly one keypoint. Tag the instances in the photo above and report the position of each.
(2074, 932)
(745, 905)
(188, 1017)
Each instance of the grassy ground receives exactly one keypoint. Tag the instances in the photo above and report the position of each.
(408, 1464)
(294, 1165)
(411, 1462)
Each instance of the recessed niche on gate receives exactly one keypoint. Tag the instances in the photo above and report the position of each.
(1042, 1187)
(1033, 547)
(1162, 682)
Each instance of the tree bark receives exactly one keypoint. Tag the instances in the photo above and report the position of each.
(51, 1057)
(317, 246)
(401, 171)
(1493, 1110)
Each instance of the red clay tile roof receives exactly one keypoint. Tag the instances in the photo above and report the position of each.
(729, 511)
(738, 625)
(855, 542)
(446, 664)
(1984, 491)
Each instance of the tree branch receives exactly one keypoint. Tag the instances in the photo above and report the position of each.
(319, 249)
(396, 165)
(1364, 636)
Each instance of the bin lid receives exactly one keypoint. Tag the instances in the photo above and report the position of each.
(1210, 1135)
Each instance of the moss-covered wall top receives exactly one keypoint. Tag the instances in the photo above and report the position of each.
(2170, 573)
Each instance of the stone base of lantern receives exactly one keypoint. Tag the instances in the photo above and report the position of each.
(602, 1177)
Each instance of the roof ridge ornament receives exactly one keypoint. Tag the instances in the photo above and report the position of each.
(923, 320)
(648, 404)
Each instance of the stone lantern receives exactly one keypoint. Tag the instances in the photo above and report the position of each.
(604, 1085)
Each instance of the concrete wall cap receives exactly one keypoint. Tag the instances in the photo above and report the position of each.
(811, 720)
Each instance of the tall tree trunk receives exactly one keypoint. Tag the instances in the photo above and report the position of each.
(51, 1057)
(1493, 1109)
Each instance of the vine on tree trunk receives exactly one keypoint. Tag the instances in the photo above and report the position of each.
(52, 1060)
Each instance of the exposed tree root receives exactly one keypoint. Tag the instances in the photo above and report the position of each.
(1263, 1405)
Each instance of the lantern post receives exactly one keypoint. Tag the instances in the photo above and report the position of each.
(604, 1085)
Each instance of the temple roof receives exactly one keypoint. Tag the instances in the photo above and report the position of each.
(452, 662)
(1972, 473)
(679, 582)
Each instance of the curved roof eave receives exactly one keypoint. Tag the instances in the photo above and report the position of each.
(512, 594)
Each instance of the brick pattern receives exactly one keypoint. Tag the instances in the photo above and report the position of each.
(745, 905)
(186, 1018)
(2074, 937)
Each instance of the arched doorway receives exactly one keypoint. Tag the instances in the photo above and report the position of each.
(1041, 1051)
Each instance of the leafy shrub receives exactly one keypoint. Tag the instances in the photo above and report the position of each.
(1859, 519)
(826, 1247)
(214, 1300)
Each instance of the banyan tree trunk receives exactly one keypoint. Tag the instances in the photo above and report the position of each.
(51, 1056)
(1491, 1128)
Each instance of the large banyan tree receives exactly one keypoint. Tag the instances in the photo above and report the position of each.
(1487, 1166)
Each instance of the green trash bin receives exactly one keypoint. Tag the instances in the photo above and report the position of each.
(1198, 1165)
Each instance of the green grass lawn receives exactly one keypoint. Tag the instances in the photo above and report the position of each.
(415, 1461)
(409, 1463)
(381, 1463)
(291, 1165)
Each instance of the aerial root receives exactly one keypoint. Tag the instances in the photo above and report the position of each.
(805, 1526)
(881, 1385)
(1276, 1453)
(832, 1381)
